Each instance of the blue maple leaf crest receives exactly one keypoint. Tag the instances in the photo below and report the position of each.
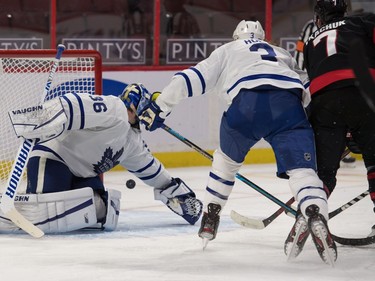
(108, 161)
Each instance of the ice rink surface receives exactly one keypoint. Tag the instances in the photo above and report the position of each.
(154, 244)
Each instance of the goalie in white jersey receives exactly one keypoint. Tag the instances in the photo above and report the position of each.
(81, 136)
(264, 89)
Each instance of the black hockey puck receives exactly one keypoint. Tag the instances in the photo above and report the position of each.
(130, 184)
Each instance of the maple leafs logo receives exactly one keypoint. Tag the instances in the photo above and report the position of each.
(108, 161)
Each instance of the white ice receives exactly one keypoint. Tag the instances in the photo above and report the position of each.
(152, 243)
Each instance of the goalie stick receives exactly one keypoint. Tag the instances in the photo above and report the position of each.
(238, 176)
(255, 223)
(19, 165)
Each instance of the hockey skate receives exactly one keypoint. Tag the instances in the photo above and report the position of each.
(321, 236)
(297, 237)
(210, 224)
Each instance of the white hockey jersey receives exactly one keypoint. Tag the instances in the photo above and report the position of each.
(97, 137)
(238, 64)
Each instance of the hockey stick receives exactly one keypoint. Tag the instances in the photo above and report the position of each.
(347, 205)
(354, 241)
(260, 224)
(19, 165)
(255, 223)
(286, 207)
(238, 176)
(263, 223)
(361, 70)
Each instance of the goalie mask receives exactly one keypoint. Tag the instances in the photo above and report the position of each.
(133, 94)
(248, 29)
(329, 10)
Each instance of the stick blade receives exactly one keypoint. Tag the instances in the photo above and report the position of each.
(23, 223)
(247, 221)
(354, 241)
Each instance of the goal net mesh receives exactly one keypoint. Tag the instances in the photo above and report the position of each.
(23, 77)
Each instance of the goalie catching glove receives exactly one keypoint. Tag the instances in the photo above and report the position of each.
(43, 122)
(181, 200)
(148, 112)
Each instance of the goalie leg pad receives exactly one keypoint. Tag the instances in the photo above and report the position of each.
(181, 200)
(113, 209)
(55, 212)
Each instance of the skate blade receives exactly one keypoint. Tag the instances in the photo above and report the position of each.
(328, 256)
(204, 243)
(294, 250)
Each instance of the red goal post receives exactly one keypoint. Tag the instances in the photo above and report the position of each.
(23, 76)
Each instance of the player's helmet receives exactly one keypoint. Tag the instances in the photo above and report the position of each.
(329, 10)
(248, 29)
(133, 94)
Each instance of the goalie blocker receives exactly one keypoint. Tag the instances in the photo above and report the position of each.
(67, 211)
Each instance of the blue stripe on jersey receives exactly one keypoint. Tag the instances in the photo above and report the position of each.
(216, 177)
(262, 76)
(151, 176)
(188, 84)
(81, 109)
(200, 78)
(144, 168)
(71, 112)
(307, 85)
(217, 194)
(47, 149)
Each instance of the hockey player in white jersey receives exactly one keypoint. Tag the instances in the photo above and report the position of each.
(265, 91)
(81, 136)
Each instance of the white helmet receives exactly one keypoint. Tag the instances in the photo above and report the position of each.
(248, 29)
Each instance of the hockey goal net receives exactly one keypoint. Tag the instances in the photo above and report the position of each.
(23, 77)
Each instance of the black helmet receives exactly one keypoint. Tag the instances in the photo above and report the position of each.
(329, 10)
